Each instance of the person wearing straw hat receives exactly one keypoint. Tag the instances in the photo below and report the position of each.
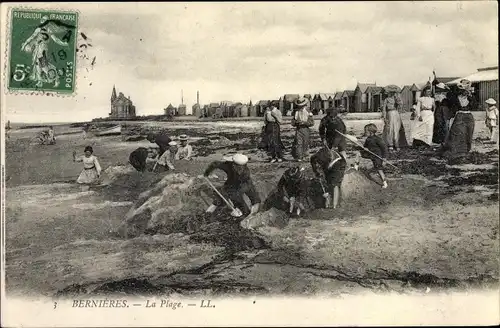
(459, 139)
(303, 120)
(394, 133)
(442, 114)
(491, 117)
(272, 122)
(184, 151)
(333, 166)
(239, 183)
(167, 159)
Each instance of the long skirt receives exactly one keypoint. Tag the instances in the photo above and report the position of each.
(274, 143)
(302, 136)
(460, 135)
(394, 132)
(440, 128)
(88, 177)
(423, 130)
(264, 140)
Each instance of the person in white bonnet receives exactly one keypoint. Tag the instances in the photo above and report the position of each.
(168, 157)
(238, 183)
(492, 117)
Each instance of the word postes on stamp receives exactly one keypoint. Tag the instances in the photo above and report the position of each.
(42, 52)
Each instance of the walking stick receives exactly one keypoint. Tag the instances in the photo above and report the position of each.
(235, 212)
(358, 144)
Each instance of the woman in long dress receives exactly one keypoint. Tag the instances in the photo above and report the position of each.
(423, 124)
(272, 122)
(91, 168)
(459, 139)
(441, 114)
(394, 133)
(302, 121)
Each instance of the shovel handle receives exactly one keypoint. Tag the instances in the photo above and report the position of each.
(218, 193)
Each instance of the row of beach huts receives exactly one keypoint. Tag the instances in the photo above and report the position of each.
(365, 97)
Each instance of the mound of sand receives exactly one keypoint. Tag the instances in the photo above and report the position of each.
(160, 207)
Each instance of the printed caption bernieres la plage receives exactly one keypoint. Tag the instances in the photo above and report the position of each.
(148, 303)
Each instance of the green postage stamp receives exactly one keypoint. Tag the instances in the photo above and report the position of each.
(42, 51)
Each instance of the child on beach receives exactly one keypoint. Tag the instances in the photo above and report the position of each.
(492, 117)
(291, 187)
(167, 159)
(91, 169)
(376, 145)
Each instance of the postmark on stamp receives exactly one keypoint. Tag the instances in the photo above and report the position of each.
(42, 51)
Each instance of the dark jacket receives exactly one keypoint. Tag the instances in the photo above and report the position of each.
(235, 177)
(328, 125)
(376, 145)
(138, 157)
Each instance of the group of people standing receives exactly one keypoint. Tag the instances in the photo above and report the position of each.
(442, 117)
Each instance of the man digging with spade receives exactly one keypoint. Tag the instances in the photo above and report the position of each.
(238, 183)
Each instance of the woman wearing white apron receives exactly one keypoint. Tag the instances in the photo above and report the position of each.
(423, 125)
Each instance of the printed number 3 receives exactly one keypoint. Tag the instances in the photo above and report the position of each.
(19, 70)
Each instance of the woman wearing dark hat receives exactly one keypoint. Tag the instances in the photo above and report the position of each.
(459, 139)
(394, 133)
(91, 169)
(272, 122)
(441, 114)
(302, 121)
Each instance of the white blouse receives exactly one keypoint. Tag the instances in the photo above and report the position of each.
(89, 162)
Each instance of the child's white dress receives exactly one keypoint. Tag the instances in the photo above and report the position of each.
(91, 170)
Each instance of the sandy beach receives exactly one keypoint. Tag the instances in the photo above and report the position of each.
(436, 226)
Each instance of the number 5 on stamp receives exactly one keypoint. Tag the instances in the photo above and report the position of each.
(42, 51)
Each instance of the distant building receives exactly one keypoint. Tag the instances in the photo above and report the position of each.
(348, 100)
(182, 110)
(170, 110)
(196, 110)
(261, 107)
(337, 99)
(289, 102)
(321, 101)
(121, 106)
(409, 96)
(374, 98)
(360, 97)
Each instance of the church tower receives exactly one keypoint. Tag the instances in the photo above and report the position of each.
(113, 94)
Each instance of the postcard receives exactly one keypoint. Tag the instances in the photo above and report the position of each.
(249, 164)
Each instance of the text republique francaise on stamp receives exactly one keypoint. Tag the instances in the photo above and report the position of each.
(42, 51)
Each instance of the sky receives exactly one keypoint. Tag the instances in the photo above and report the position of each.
(253, 51)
